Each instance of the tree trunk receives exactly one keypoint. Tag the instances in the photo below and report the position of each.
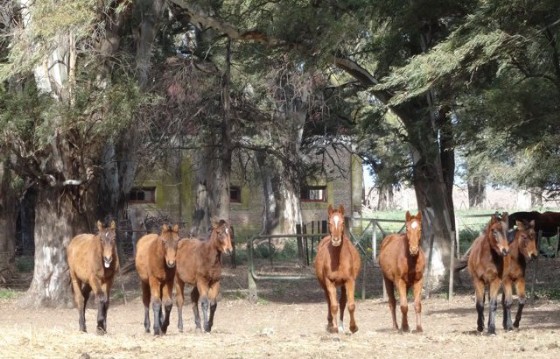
(536, 197)
(8, 218)
(386, 198)
(476, 188)
(55, 225)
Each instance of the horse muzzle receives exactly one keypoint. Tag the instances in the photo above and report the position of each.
(336, 242)
(107, 261)
(170, 264)
(504, 252)
(414, 251)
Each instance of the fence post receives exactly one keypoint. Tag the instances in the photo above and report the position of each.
(252, 285)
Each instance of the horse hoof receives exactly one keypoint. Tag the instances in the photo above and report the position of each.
(101, 331)
(419, 330)
(354, 329)
(332, 330)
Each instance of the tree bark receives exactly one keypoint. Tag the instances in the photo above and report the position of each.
(386, 198)
(8, 216)
(476, 188)
(55, 224)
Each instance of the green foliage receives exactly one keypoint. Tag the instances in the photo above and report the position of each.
(7, 293)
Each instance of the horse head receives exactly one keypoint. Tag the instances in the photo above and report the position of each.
(107, 236)
(336, 225)
(170, 238)
(497, 233)
(527, 238)
(414, 232)
(221, 231)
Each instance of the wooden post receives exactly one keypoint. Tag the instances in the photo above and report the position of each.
(252, 285)
(451, 271)
(374, 242)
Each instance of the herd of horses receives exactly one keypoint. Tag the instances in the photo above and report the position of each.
(497, 259)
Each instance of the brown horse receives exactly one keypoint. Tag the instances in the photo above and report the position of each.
(523, 247)
(155, 263)
(199, 263)
(93, 262)
(337, 264)
(486, 266)
(402, 263)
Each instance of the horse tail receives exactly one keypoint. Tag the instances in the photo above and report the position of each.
(464, 260)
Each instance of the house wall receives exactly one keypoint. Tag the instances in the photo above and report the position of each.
(175, 197)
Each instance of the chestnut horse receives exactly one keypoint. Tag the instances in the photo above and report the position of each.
(337, 264)
(199, 263)
(155, 263)
(402, 263)
(93, 262)
(523, 247)
(486, 266)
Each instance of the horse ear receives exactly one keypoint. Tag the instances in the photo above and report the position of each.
(331, 209)
(504, 216)
(164, 228)
(408, 216)
(520, 224)
(532, 223)
(99, 226)
(113, 225)
(176, 228)
(341, 209)
(419, 215)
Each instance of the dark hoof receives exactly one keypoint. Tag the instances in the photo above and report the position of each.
(101, 331)
(353, 329)
(419, 330)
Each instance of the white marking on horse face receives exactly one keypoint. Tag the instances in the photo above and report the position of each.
(336, 220)
(414, 225)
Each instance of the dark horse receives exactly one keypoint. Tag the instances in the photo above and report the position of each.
(547, 222)
(522, 248)
(93, 263)
(402, 262)
(199, 263)
(155, 264)
(337, 264)
(486, 266)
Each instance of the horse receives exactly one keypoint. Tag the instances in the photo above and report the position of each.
(402, 263)
(155, 264)
(486, 266)
(523, 247)
(199, 263)
(547, 223)
(93, 263)
(337, 264)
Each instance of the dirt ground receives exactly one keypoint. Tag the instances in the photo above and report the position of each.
(288, 321)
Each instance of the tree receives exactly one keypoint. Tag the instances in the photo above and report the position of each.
(57, 118)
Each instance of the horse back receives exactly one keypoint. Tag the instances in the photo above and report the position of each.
(483, 263)
(84, 256)
(395, 262)
(144, 261)
(188, 259)
(337, 264)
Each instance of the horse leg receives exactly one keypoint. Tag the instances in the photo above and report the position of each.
(101, 299)
(146, 301)
(213, 292)
(479, 294)
(390, 287)
(349, 294)
(195, 296)
(155, 289)
(329, 314)
(204, 305)
(342, 300)
(79, 299)
(507, 300)
(520, 289)
(493, 295)
(417, 292)
(402, 288)
(167, 290)
(86, 291)
(333, 308)
(180, 297)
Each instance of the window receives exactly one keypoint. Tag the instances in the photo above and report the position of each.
(314, 194)
(142, 195)
(235, 194)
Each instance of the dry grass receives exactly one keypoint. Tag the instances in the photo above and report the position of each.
(281, 325)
